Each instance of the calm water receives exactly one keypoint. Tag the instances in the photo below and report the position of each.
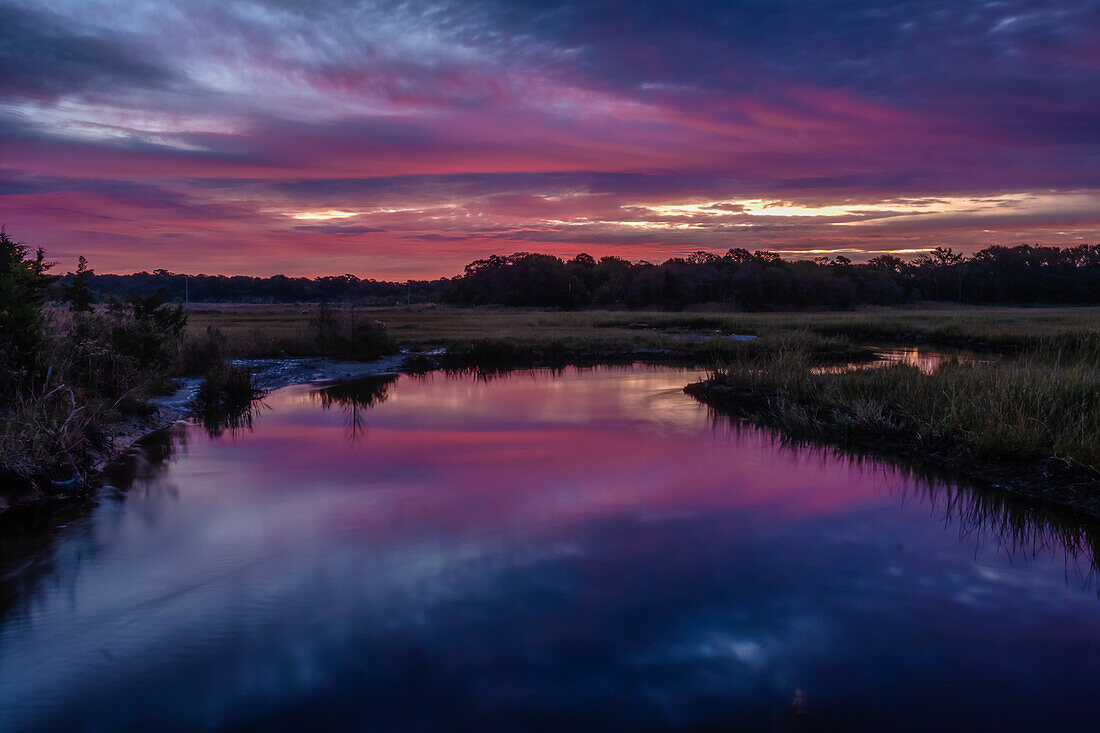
(923, 358)
(586, 550)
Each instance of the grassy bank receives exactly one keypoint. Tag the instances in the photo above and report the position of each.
(1030, 422)
(99, 369)
(89, 372)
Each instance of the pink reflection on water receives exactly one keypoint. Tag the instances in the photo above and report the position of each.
(926, 360)
(548, 545)
(531, 453)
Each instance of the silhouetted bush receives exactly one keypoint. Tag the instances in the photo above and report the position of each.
(127, 349)
(67, 375)
(225, 398)
(419, 364)
(23, 283)
(349, 336)
(226, 387)
(198, 354)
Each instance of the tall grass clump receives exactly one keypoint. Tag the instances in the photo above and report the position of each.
(200, 353)
(1013, 410)
(226, 387)
(225, 397)
(347, 335)
(45, 433)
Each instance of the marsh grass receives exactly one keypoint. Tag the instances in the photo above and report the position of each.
(225, 398)
(313, 330)
(47, 434)
(1015, 409)
(227, 386)
(273, 330)
(198, 353)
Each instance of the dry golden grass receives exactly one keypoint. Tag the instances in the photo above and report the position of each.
(258, 330)
(261, 330)
(1013, 408)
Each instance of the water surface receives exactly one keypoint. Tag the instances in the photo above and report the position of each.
(927, 360)
(589, 549)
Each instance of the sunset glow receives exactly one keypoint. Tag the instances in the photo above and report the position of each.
(395, 140)
(322, 215)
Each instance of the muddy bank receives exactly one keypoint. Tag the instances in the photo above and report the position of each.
(165, 410)
(1048, 482)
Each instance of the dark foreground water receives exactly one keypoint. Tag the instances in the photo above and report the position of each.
(587, 550)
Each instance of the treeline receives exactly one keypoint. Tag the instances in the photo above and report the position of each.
(177, 288)
(763, 280)
(738, 279)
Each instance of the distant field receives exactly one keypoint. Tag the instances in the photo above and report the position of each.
(272, 329)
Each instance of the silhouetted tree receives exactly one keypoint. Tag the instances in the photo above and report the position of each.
(77, 291)
(23, 283)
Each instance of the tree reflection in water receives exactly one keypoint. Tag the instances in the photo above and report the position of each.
(220, 419)
(354, 398)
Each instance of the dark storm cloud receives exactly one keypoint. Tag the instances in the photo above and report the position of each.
(483, 184)
(10, 185)
(435, 238)
(40, 55)
(872, 45)
(343, 231)
(1031, 69)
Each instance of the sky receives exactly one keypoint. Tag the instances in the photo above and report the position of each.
(406, 139)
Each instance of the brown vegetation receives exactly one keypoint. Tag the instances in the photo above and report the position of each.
(272, 330)
(1030, 422)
